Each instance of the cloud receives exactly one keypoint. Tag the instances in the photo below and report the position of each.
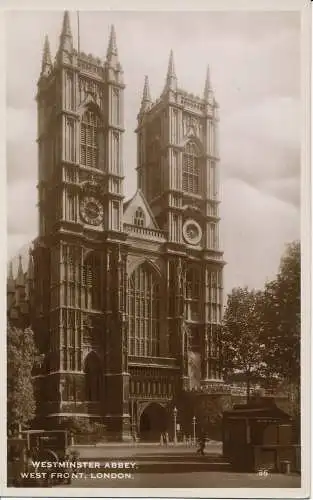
(265, 138)
(21, 203)
(287, 190)
(21, 125)
(275, 119)
(255, 227)
(21, 145)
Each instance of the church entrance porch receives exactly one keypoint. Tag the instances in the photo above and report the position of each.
(152, 422)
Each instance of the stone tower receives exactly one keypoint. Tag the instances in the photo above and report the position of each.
(178, 174)
(79, 256)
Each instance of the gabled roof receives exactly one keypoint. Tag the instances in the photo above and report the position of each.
(130, 206)
(268, 411)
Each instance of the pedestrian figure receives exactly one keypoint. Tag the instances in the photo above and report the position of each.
(201, 444)
(166, 439)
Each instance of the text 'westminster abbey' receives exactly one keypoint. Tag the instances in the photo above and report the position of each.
(124, 297)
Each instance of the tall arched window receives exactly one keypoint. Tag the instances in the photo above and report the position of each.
(144, 312)
(191, 170)
(193, 292)
(92, 281)
(89, 147)
(139, 218)
(93, 377)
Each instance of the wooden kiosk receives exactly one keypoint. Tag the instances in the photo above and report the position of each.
(259, 437)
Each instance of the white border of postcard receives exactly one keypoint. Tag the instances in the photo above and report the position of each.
(303, 6)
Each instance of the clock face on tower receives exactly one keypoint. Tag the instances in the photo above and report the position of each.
(91, 211)
(192, 232)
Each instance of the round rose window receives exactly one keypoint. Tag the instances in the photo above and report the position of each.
(192, 232)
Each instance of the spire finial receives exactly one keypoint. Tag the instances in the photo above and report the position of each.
(20, 272)
(171, 67)
(46, 57)
(66, 28)
(171, 79)
(146, 97)
(66, 39)
(146, 90)
(114, 70)
(208, 91)
(112, 47)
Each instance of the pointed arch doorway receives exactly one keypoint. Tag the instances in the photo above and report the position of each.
(93, 378)
(152, 422)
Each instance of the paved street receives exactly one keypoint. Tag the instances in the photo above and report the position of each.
(170, 467)
(142, 449)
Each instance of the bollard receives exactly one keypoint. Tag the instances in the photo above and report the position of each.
(285, 466)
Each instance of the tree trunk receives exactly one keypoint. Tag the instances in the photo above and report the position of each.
(248, 387)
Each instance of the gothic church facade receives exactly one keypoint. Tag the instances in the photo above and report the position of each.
(125, 297)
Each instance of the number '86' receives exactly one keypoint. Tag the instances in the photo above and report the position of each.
(263, 472)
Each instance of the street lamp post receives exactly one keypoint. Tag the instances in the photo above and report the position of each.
(194, 429)
(175, 424)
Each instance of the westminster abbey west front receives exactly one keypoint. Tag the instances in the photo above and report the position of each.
(125, 297)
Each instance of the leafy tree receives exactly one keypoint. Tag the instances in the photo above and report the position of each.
(76, 425)
(281, 319)
(21, 356)
(243, 351)
(83, 429)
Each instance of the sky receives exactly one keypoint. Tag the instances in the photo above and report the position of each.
(254, 60)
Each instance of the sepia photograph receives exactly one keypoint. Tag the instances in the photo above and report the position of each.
(155, 201)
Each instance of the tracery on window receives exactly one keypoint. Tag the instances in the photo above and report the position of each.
(139, 218)
(144, 312)
(92, 281)
(191, 170)
(193, 293)
(89, 147)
